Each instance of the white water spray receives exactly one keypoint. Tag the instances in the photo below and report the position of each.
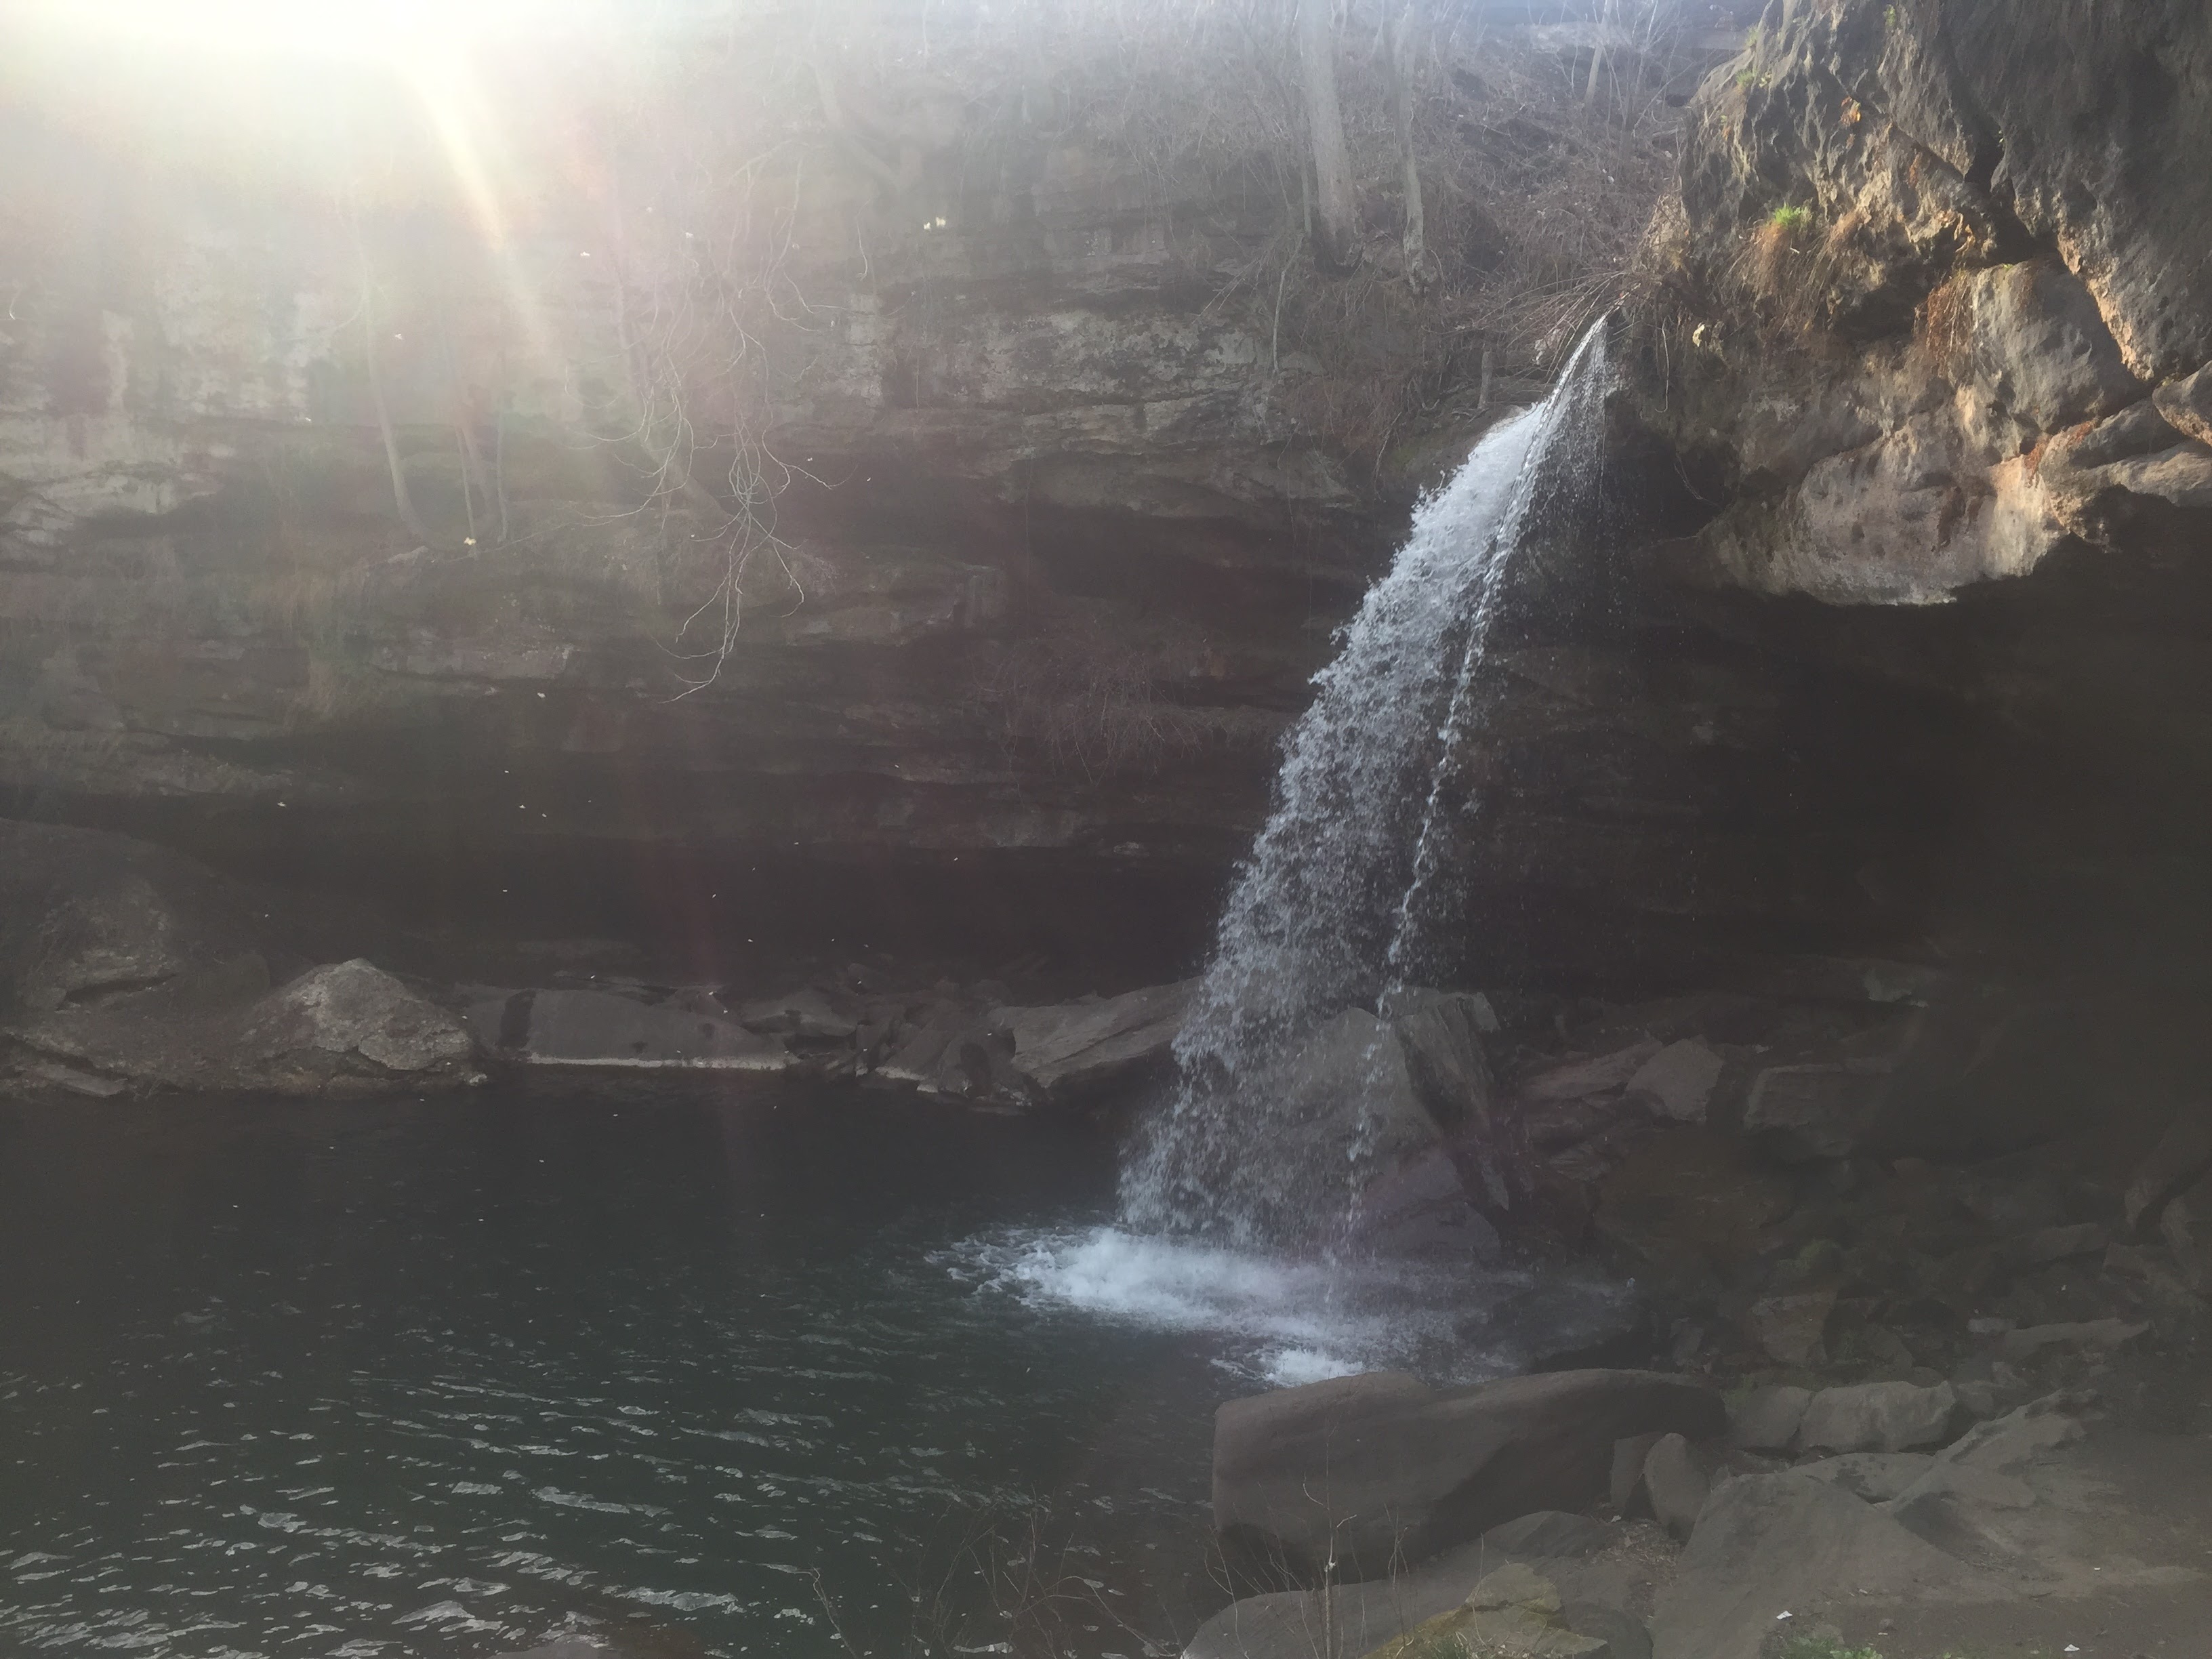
(1341, 902)
(1335, 906)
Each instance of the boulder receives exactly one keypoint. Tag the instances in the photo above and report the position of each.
(347, 1028)
(1766, 1420)
(598, 1028)
(1880, 1417)
(1071, 1050)
(1420, 1209)
(1676, 1482)
(1352, 1114)
(347, 1025)
(1678, 1081)
(1368, 1469)
(1441, 1033)
(1770, 1545)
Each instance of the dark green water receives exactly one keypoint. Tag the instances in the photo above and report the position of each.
(411, 1379)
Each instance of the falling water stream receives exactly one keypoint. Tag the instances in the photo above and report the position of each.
(1340, 903)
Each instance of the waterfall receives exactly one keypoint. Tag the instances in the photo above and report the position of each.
(1337, 904)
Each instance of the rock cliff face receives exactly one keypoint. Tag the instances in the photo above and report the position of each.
(1888, 650)
(1927, 357)
(1056, 557)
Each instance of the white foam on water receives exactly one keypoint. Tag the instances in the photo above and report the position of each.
(1285, 1321)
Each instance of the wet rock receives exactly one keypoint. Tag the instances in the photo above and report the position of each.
(1767, 1420)
(1678, 1081)
(1878, 1417)
(2182, 1156)
(1441, 1033)
(1071, 1050)
(1421, 1210)
(598, 1028)
(1675, 1483)
(1379, 1466)
(1351, 1109)
(1772, 1544)
(1792, 1329)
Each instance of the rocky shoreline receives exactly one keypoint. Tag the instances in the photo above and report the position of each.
(1894, 1333)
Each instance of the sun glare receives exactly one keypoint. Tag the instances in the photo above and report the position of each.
(326, 28)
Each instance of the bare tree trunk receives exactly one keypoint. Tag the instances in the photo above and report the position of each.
(1336, 239)
(1603, 23)
(1416, 241)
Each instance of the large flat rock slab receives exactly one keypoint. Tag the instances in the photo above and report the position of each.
(1380, 1468)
